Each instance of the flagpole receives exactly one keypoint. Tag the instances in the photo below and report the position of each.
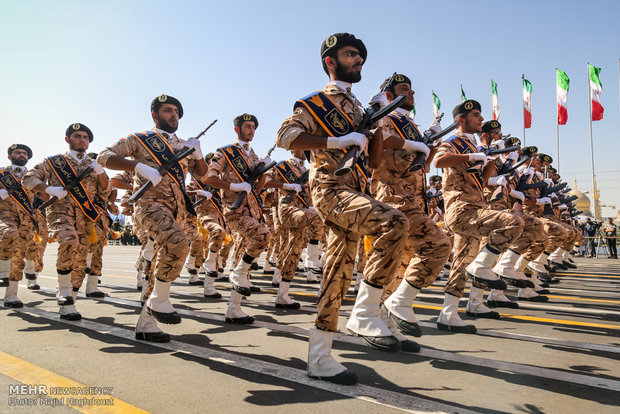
(592, 146)
(522, 86)
(557, 126)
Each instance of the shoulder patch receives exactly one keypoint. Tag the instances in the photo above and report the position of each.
(297, 111)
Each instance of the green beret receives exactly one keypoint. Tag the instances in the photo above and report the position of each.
(392, 81)
(465, 107)
(238, 121)
(21, 147)
(490, 126)
(162, 99)
(330, 46)
(79, 127)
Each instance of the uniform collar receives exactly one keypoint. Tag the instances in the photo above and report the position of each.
(244, 146)
(78, 156)
(19, 169)
(163, 133)
(345, 87)
(404, 112)
(299, 162)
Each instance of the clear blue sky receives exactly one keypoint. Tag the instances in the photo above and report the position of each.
(101, 63)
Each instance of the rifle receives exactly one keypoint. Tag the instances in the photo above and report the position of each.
(183, 153)
(67, 187)
(259, 170)
(437, 194)
(430, 141)
(371, 115)
(301, 180)
(488, 152)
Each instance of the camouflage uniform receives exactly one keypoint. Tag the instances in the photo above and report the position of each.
(347, 212)
(468, 217)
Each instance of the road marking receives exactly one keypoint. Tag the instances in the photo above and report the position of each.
(585, 274)
(366, 393)
(31, 374)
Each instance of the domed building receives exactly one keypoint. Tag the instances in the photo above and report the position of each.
(583, 202)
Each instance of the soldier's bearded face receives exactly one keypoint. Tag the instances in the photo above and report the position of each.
(78, 141)
(405, 89)
(246, 131)
(473, 122)
(349, 65)
(167, 118)
(18, 157)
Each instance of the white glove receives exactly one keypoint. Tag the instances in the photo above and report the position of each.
(553, 195)
(543, 201)
(517, 194)
(512, 156)
(57, 192)
(498, 180)
(239, 187)
(415, 146)
(292, 187)
(149, 173)
(435, 128)
(205, 194)
(266, 160)
(194, 143)
(478, 156)
(549, 181)
(97, 168)
(349, 140)
(438, 210)
(3, 194)
(380, 98)
(530, 171)
(311, 208)
(500, 144)
(563, 206)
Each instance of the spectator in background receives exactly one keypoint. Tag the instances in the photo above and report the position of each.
(610, 234)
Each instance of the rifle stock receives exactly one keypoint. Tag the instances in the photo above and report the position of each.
(67, 187)
(258, 171)
(302, 180)
(420, 159)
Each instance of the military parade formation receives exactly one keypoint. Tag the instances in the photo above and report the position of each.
(367, 213)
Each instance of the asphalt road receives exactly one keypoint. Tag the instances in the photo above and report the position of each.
(557, 357)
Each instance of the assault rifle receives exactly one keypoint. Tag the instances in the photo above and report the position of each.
(68, 187)
(301, 181)
(489, 152)
(430, 141)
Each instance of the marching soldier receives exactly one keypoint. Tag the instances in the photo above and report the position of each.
(427, 247)
(324, 124)
(467, 216)
(72, 217)
(17, 220)
(162, 209)
(36, 247)
(229, 171)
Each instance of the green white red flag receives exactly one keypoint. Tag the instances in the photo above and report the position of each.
(413, 111)
(596, 88)
(527, 103)
(436, 105)
(463, 97)
(562, 95)
(494, 101)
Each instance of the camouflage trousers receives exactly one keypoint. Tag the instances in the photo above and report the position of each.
(556, 234)
(216, 230)
(16, 230)
(425, 253)
(165, 227)
(35, 251)
(196, 242)
(348, 215)
(531, 242)
(223, 254)
(361, 256)
(470, 224)
(296, 220)
(96, 261)
(71, 229)
(253, 232)
(573, 235)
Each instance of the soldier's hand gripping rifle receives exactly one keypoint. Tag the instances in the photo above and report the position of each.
(259, 170)
(67, 187)
(303, 179)
(371, 115)
(489, 152)
(431, 141)
(183, 153)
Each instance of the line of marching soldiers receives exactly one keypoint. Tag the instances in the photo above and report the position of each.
(499, 216)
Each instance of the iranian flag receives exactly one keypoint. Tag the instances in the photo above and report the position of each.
(595, 93)
(562, 95)
(463, 97)
(436, 105)
(413, 111)
(494, 101)
(527, 103)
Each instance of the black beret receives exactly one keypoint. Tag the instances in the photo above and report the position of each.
(243, 118)
(490, 126)
(92, 155)
(512, 141)
(464, 107)
(334, 42)
(529, 151)
(545, 158)
(162, 99)
(21, 147)
(434, 178)
(79, 127)
(394, 80)
(209, 156)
